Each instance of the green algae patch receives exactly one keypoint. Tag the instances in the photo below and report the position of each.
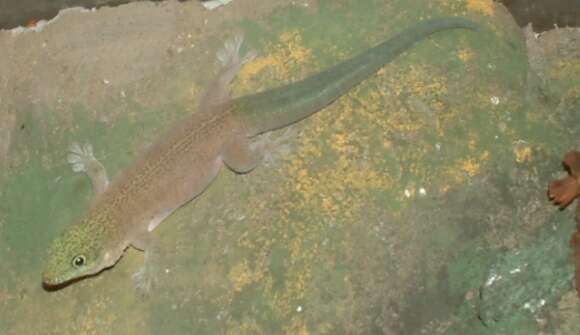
(522, 282)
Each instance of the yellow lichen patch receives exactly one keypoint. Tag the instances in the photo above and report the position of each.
(463, 169)
(415, 105)
(523, 152)
(284, 58)
(323, 191)
(251, 69)
(297, 282)
(468, 167)
(485, 7)
(241, 275)
(416, 81)
(294, 46)
(465, 55)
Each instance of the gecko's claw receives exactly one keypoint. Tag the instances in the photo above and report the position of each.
(79, 156)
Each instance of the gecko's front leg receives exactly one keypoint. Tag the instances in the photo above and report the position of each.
(81, 158)
(146, 278)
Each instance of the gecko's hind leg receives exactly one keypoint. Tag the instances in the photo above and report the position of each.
(146, 278)
(240, 156)
(218, 91)
(81, 158)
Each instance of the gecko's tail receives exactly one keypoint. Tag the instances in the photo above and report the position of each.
(288, 104)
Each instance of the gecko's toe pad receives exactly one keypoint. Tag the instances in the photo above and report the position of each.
(230, 53)
(79, 156)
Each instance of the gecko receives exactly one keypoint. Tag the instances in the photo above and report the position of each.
(181, 164)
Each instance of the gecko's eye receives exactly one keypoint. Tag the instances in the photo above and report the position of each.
(79, 261)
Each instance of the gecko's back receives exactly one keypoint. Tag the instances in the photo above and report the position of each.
(170, 172)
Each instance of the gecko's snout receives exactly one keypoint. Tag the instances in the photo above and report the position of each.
(49, 279)
(50, 282)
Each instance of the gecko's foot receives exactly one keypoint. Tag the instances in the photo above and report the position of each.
(145, 280)
(80, 157)
(274, 147)
(230, 54)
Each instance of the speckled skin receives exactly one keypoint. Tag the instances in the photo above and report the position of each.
(149, 190)
(184, 161)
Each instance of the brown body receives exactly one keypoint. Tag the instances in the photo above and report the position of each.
(170, 173)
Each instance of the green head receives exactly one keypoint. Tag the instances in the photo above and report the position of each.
(80, 251)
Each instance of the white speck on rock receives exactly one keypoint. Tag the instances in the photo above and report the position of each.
(533, 306)
(213, 4)
(516, 270)
(492, 279)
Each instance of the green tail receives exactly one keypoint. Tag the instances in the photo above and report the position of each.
(282, 106)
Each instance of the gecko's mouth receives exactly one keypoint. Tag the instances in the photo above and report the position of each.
(51, 283)
(49, 280)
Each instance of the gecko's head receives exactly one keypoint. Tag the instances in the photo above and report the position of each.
(79, 252)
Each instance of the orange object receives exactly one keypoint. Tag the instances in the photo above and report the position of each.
(562, 192)
(32, 23)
